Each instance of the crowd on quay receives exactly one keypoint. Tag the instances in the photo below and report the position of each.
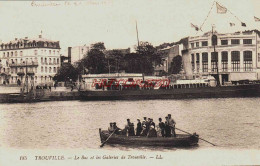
(146, 128)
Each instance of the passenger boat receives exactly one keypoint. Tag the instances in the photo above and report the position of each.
(180, 140)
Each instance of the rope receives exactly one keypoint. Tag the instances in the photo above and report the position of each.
(207, 15)
(232, 13)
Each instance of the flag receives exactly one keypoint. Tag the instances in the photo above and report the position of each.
(232, 24)
(194, 26)
(221, 9)
(243, 24)
(256, 19)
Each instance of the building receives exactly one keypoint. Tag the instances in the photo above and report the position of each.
(38, 58)
(167, 55)
(77, 53)
(237, 56)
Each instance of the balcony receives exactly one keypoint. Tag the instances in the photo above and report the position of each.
(28, 64)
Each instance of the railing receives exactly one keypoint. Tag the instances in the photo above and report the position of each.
(23, 64)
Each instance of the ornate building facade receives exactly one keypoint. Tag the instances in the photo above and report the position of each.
(237, 56)
(38, 59)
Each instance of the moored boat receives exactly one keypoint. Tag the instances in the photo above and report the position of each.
(179, 140)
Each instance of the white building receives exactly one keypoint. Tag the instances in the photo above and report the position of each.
(77, 53)
(38, 58)
(167, 55)
(237, 56)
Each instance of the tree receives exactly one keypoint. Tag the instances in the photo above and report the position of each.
(66, 72)
(115, 60)
(95, 60)
(149, 57)
(176, 65)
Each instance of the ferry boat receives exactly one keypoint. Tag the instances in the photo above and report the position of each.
(104, 87)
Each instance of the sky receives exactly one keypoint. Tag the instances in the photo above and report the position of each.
(113, 22)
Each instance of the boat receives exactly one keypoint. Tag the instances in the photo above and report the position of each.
(249, 90)
(181, 140)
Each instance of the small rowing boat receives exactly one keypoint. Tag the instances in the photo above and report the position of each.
(179, 140)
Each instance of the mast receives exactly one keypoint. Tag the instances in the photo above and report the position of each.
(137, 34)
(214, 41)
(138, 43)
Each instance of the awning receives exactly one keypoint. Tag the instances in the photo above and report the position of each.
(243, 76)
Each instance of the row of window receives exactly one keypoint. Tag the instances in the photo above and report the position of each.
(51, 70)
(223, 42)
(15, 53)
(235, 61)
(28, 45)
(235, 56)
(29, 69)
(51, 61)
(43, 79)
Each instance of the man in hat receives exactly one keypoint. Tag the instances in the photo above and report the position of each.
(144, 121)
(138, 128)
(152, 123)
(167, 127)
(111, 128)
(116, 128)
(172, 124)
(162, 127)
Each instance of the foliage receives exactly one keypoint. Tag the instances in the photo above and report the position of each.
(176, 65)
(66, 72)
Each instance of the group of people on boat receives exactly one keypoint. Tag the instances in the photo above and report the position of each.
(146, 128)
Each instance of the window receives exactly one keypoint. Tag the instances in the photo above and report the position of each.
(49, 69)
(192, 62)
(247, 41)
(54, 69)
(49, 60)
(214, 61)
(192, 45)
(235, 41)
(235, 60)
(15, 53)
(224, 59)
(35, 52)
(58, 60)
(54, 61)
(258, 57)
(197, 44)
(248, 66)
(53, 52)
(21, 53)
(204, 43)
(12, 54)
(7, 54)
(224, 42)
(45, 60)
(4, 54)
(205, 62)
(50, 52)
(45, 69)
(198, 61)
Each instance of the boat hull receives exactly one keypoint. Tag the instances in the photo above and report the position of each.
(201, 92)
(181, 140)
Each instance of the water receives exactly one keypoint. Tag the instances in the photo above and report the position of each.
(71, 129)
(230, 123)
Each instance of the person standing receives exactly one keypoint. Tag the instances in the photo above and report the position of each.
(167, 127)
(162, 127)
(138, 128)
(172, 124)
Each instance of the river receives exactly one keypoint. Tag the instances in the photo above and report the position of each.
(230, 123)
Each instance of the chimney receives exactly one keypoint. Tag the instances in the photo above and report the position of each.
(40, 36)
(69, 54)
(26, 38)
(16, 39)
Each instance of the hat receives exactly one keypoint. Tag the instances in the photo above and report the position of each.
(127, 119)
(138, 119)
(169, 115)
(160, 118)
(144, 117)
(166, 117)
(114, 123)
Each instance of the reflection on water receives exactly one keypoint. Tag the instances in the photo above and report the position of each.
(229, 123)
